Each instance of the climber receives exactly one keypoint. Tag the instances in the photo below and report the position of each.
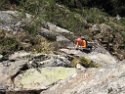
(82, 42)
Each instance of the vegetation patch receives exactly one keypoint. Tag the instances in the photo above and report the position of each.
(76, 16)
(85, 62)
(10, 42)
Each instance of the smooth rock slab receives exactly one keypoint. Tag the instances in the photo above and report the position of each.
(32, 79)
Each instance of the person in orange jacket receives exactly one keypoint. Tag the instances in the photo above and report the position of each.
(81, 42)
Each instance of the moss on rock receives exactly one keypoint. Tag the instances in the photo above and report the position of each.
(48, 76)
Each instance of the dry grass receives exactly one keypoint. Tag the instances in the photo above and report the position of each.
(84, 62)
(10, 43)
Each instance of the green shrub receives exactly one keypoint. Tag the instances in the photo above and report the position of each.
(6, 42)
(85, 62)
(61, 16)
(24, 41)
(72, 19)
(94, 15)
(122, 21)
(42, 45)
(123, 35)
(75, 61)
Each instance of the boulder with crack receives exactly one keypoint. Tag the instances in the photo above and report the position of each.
(108, 80)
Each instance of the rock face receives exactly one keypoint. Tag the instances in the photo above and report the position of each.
(108, 80)
(7, 19)
(57, 29)
(11, 20)
(32, 79)
(62, 38)
(100, 56)
(53, 73)
(113, 42)
(8, 74)
(29, 70)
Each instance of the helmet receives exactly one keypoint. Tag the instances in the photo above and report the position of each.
(79, 40)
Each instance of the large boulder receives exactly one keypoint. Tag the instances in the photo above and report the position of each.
(8, 74)
(105, 28)
(47, 33)
(100, 28)
(33, 79)
(95, 29)
(22, 62)
(57, 29)
(99, 55)
(20, 55)
(108, 80)
(8, 19)
(12, 20)
(40, 60)
(111, 40)
(62, 38)
(49, 61)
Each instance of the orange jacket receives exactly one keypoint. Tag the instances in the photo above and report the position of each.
(83, 43)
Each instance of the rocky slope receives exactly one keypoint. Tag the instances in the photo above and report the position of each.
(112, 41)
(29, 72)
(55, 74)
(108, 80)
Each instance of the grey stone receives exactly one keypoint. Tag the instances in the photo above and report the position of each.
(3, 87)
(107, 80)
(20, 55)
(1, 56)
(62, 38)
(57, 29)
